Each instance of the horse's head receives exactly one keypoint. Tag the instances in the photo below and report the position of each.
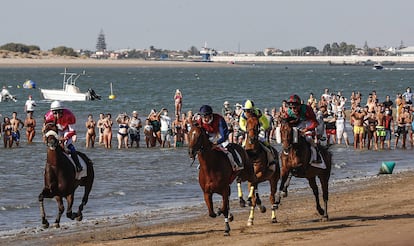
(51, 135)
(195, 140)
(286, 134)
(252, 130)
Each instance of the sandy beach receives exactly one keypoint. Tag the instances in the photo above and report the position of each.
(375, 211)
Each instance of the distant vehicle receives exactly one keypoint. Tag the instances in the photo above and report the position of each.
(378, 66)
(69, 92)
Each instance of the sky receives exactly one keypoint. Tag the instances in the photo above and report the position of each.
(225, 25)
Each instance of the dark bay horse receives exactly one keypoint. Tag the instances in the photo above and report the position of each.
(216, 173)
(258, 155)
(295, 159)
(60, 178)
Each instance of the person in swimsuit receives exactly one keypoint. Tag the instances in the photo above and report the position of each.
(149, 134)
(357, 117)
(7, 129)
(178, 101)
(178, 131)
(101, 128)
(122, 134)
(17, 125)
(156, 124)
(380, 128)
(404, 121)
(90, 132)
(371, 130)
(107, 133)
(188, 123)
(30, 124)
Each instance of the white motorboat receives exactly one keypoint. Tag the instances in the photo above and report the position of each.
(378, 66)
(69, 92)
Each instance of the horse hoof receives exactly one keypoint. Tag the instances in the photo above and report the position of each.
(274, 221)
(213, 215)
(262, 209)
(250, 223)
(226, 233)
(79, 218)
(284, 194)
(325, 219)
(231, 218)
(249, 202)
(45, 226)
(219, 211)
(56, 225)
(242, 202)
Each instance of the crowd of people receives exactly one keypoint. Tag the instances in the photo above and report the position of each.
(373, 122)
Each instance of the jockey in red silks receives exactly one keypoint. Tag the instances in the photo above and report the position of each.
(216, 128)
(65, 121)
(305, 120)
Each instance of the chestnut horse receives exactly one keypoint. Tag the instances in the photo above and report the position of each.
(296, 158)
(60, 178)
(216, 172)
(258, 155)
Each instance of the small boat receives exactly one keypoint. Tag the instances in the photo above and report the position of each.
(69, 92)
(378, 66)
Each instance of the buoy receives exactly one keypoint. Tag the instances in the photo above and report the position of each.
(387, 167)
(111, 96)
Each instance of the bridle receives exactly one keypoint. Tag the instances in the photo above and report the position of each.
(52, 137)
(198, 147)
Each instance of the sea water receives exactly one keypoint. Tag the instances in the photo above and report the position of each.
(161, 184)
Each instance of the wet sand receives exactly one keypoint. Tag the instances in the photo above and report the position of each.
(375, 211)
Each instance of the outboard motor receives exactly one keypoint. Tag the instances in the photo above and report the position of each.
(93, 95)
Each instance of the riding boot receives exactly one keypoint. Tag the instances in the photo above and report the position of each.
(234, 156)
(75, 157)
(316, 154)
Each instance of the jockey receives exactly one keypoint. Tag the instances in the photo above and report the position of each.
(65, 121)
(216, 128)
(249, 107)
(305, 121)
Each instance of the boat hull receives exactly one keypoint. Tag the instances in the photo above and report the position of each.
(64, 95)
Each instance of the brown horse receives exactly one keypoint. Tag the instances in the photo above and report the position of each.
(258, 155)
(295, 159)
(60, 178)
(216, 173)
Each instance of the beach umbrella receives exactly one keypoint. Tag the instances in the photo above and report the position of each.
(29, 84)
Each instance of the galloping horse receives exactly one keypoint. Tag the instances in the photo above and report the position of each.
(216, 172)
(258, 155)
(296, 158)
(60, 178)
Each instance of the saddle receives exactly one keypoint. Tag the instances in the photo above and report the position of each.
(233, 156)
(82, 173)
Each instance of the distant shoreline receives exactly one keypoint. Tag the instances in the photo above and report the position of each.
(217, 61)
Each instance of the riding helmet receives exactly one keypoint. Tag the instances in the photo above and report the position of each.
(56, 105)
(294, 100)
(248, 104)
(206, 110)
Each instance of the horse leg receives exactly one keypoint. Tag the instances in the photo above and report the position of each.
(208, 198)
(61, 209)
(69, 200)
(225, 210)
(261, 207)
(242, 202)
(273, 189)
(45, 223)
(314, 186)
(252, 201)
(286, 185)
(325, 194)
